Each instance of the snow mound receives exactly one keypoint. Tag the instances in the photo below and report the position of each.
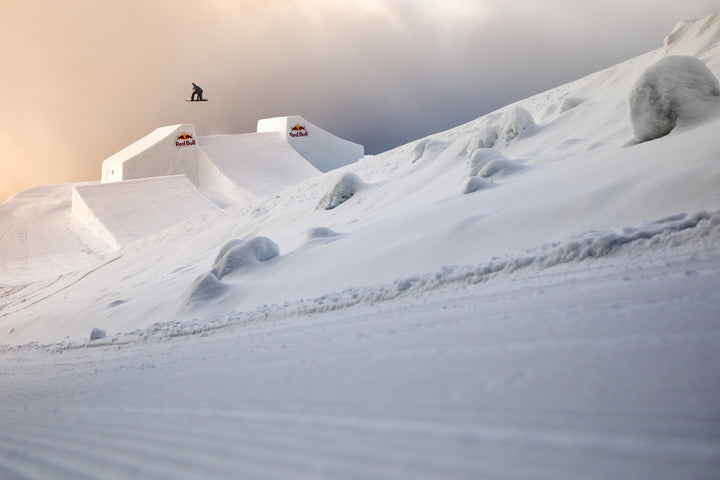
(322, 232)
(485, 163)
(477, 183)
(481, 157)
(569, 103)
(500, 168)
(514, 124)
(224, 249)
(97, 334)
(676, 91)
(206, 287)
(343, 190)
(420, 149)
(245, 255)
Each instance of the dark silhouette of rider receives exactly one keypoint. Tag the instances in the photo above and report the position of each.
(196, 91)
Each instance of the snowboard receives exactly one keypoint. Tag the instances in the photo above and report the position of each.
(203, 100)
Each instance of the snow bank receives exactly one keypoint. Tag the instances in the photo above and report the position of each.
(343, 190)
(676, 91)
(244, 255)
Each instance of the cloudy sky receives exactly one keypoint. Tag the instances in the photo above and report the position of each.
(82, 79)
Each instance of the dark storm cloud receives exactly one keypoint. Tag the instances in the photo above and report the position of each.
(83, 79)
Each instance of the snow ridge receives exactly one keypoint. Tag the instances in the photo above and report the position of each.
(668, 233)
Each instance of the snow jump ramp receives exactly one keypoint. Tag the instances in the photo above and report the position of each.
(247, 166)
(283, 152)
(166, 151)
(322, 149)
(172, 174)
(121, 212)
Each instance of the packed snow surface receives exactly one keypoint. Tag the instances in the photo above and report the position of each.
(533, 294)
(261, 163)
(121, 212)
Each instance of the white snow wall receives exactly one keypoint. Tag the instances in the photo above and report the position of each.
(171, 150)
(323, 149)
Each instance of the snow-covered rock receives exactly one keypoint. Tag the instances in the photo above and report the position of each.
(515, 123)
(481, 157)
(343, 190)
(245, 255)
(97, 334)
(322, 232)
(678, 90)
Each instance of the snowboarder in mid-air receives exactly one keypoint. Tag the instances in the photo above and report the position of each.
(196, 91)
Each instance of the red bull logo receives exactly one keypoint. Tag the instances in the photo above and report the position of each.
(298, 131)
(184, 140)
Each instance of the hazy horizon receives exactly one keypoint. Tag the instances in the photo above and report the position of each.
(84, 79)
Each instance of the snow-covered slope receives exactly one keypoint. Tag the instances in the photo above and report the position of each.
(532, 294)
(39, 238)
(553, 167)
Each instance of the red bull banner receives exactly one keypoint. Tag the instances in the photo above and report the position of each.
(298, 131)
(184, 140)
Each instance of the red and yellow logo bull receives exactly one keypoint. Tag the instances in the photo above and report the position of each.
(184, 140)
(298, 131)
